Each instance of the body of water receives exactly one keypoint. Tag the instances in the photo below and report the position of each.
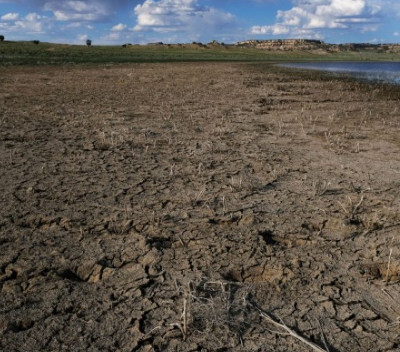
(388, 72)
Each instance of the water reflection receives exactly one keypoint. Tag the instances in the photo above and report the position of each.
(388, 72)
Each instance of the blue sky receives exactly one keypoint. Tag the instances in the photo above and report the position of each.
(182, 21)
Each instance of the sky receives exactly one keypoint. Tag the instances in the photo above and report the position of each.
(115, 22)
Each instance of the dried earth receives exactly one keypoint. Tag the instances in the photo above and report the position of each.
(172, 207)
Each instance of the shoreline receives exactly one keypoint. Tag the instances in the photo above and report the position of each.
(348, 69)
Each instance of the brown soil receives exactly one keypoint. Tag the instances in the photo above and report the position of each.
(161, 207)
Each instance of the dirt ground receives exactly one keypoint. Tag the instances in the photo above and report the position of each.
(180, 207)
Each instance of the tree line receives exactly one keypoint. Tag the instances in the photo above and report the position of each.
(2, 38)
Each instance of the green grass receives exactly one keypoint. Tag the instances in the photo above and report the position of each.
(28, 53)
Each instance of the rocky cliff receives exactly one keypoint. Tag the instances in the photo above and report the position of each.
(310, 44)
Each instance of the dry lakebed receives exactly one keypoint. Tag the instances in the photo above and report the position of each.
(198, 207)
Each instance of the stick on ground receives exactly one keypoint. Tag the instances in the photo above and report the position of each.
(290, 332)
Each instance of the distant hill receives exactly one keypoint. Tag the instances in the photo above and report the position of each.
(309, 44)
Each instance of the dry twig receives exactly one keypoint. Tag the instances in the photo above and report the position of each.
(388, 266)
(289, 331)
(185, 318)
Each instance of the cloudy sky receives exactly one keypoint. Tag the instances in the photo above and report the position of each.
(180, 21)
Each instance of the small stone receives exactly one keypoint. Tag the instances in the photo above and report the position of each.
(107, 272)
(359, 328)
(96, 273)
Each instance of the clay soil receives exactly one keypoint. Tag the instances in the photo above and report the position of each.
(175, 207)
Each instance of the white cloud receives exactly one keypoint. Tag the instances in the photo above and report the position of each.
(112, 37)
(339, 8)
(33, 17)
(119, 27)
(390, 8)
(82, 37)
(77, 10)
(275, 30)
(396, 34)
(32, 23)
(165, 16)
(376, 40)
(10, 17)
(312, 16)
(72, 25)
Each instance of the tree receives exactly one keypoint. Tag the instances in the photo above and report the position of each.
(88, 42)
(36, 42)
(1, 38)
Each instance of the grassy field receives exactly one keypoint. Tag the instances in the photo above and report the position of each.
(28, 53)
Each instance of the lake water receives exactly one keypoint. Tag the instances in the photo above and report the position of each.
(387, 72)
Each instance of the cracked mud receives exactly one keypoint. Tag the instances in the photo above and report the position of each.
(159, 207)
